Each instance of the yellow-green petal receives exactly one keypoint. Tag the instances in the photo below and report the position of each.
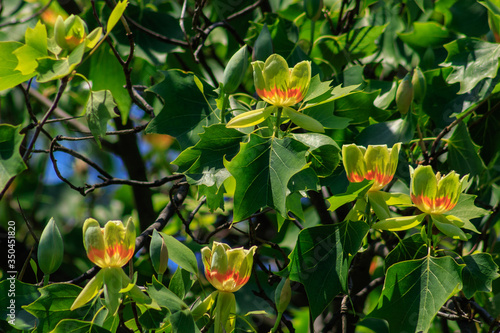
(354, 163)
(92, 288)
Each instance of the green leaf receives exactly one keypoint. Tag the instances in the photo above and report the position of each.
(262, 170)
(35, 47)
(182, 321)
(355, 44)
(324, 153)
(320, 260)
(106, 73)
(164, 297)
(463, 154)
(479, 272)
(203, 163)
(354, 191)
(415, 290)
(389, 132)
(399, 223)
(426, 34)
(9, 76)
(214, 196)
(448, 228)
(472, 60)
(115, 15)
(181, 282)
(186, 111)
(466, 210)
(22, 294)
(11, 162)
(181, 254)
(302, 120)
(54, 305)
(263, 46)
(359, 106)
(317, 88)
(323, 112)
(98, 111)
(78, 326)
(152, 319)
(409, 248)
(52, 69)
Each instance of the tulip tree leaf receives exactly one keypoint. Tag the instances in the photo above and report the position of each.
(355, 44)
(78, 326)
(11, 162)
(415, 290)
(203, 163)
(181, 254)
(479, 272)
(409, 248)
(465, 208)
(263, 46)
(463, 153)
(35, 47)
(388, 132)
(115, 15)
(426, 34)
(323, 152)
(152, 319)
(320, 260)
(52, 69)
(99, 110)
(262, 170)
(164, 297)
(182, 321)
(24, 294)
(186, 111)
(359, 106)
(323, 112)
(354, 191)
(54, 305)
(317, 88)
(11, 77)
(106, 73)
(472, 60)
(181, 282)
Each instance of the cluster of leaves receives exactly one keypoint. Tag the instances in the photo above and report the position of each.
(159, 88)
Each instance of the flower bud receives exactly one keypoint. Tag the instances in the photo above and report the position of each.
(419, 85)
(50, 248)
(313, 9)
(235, 70)
(404, 95)
(283, 295)
(158, 253)
(70, 33)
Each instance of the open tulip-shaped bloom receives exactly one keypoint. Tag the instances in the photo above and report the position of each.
(110, 248)
(227, 269)
(434, 193)
(279, 85)
(377, 163)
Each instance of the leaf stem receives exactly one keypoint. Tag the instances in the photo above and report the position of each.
(277, 323)
(46, 279)
(278, 121)
(225, 99)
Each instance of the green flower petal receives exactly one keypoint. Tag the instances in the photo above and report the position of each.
(89, 292)
(354, 163)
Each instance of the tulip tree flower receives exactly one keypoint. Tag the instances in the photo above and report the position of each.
(435, 195)
(227, 270)
(281, 87)
(110, 248)
(377, 163)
